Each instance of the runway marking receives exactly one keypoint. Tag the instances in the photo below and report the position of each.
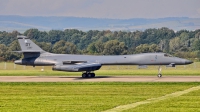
(152, 100)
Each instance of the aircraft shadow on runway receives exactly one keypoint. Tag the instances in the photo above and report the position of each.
(75, 78)
(97, 77)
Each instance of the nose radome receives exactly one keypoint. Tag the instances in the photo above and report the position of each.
(188, 62)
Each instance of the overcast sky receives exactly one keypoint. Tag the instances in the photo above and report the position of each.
(119, 9)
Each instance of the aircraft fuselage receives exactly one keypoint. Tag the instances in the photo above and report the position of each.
(48, 59)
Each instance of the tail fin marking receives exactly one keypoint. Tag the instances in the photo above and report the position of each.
(27, 45)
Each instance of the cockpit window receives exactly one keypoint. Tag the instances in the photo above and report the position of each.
(168, 55)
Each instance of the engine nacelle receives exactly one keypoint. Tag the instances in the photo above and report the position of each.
(78, 67)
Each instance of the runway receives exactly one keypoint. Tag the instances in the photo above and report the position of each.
(99, 79)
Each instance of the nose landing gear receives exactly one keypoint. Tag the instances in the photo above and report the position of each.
(159, 72)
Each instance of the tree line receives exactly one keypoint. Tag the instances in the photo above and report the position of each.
(183, 43)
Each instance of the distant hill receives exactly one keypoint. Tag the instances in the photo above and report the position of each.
(22, 23)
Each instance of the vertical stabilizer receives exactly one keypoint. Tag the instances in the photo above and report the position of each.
(27, 45)
(29, 48)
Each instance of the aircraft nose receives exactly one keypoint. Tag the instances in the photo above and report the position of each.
(188, 62)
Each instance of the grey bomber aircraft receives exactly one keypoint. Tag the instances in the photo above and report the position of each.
(35, 56)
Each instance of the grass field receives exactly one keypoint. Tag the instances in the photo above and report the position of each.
(185, 103)
(9, 69)
(95, 97)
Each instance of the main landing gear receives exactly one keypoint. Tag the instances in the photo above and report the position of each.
(159, 72)
(88, 75)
